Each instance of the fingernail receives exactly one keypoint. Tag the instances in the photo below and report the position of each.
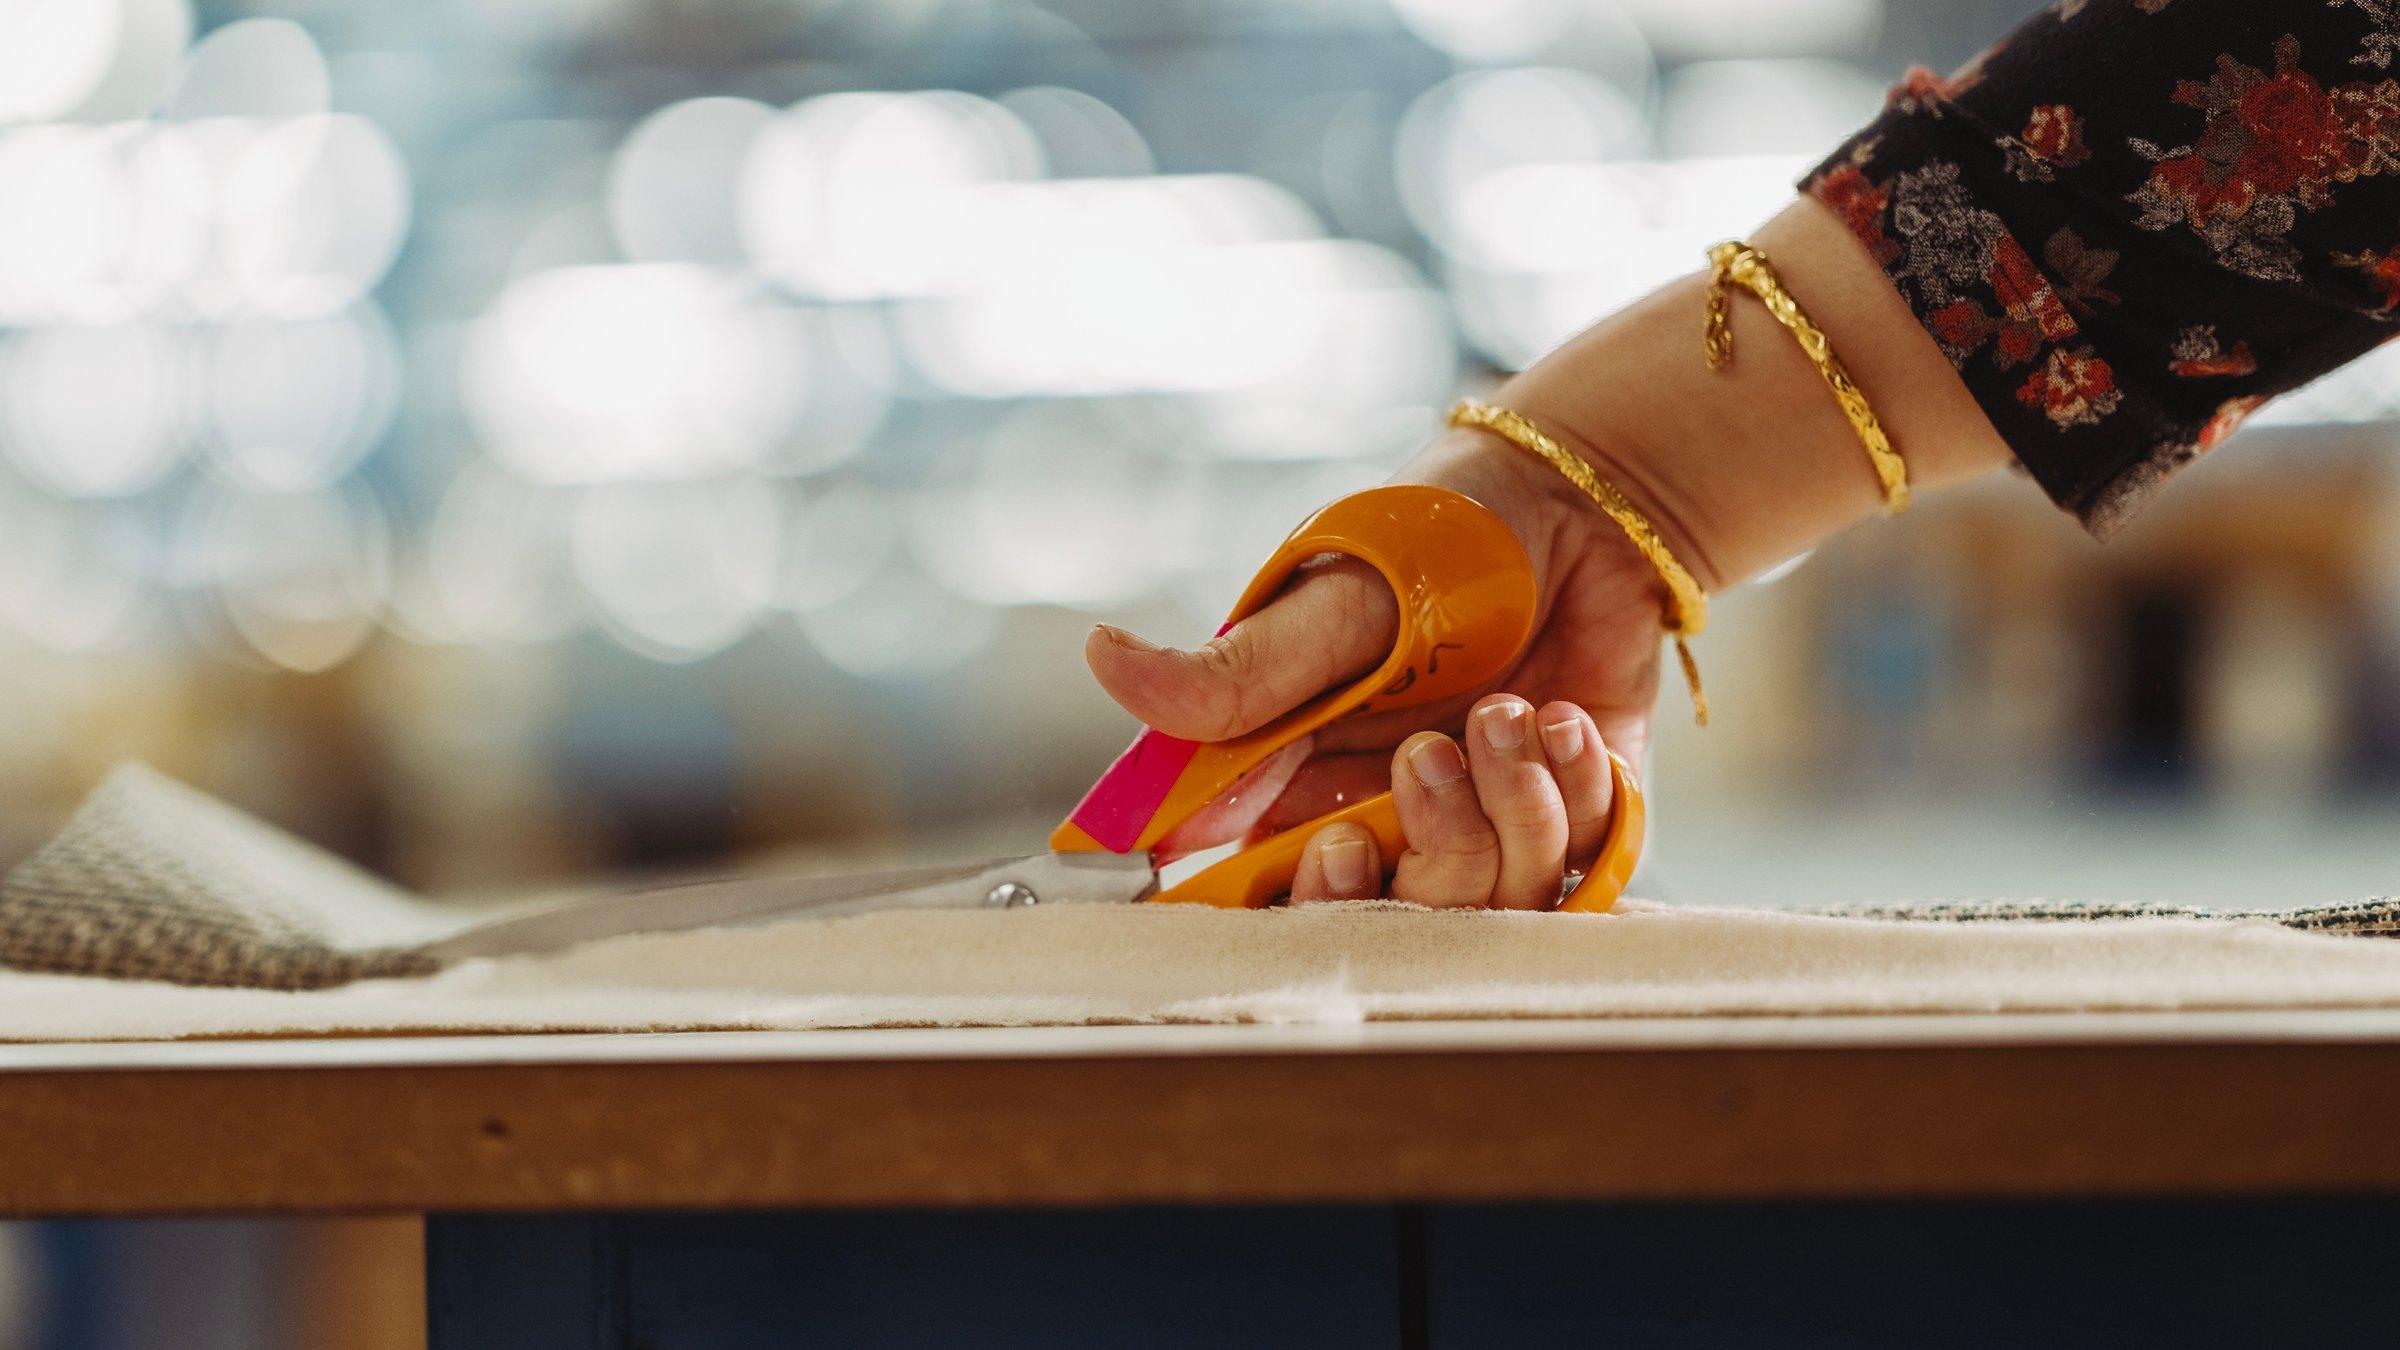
(1345, 861)
(1564, 739)
(1436, 762)
(1503, 724)
(1126, 640)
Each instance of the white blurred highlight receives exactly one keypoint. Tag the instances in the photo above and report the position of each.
(1461, 132)
(147, 56)
(1490, 31)
(900, 624)
(296, 405)
(677, 571)
(219, 219)
(53, 54)
(301, 576)
(836, 538)
(1798, 108)
(852, 196)
(95, 412)
(71, 576)
(1692, 28)
(253, 68)
(494, 562)
(1015, 532)
(1537, 187)
(654, 371)
(671, 187)
(311, 213)
(1080, 136)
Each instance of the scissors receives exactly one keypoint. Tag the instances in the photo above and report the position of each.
(1467, 604)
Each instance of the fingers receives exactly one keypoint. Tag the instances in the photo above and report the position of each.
(1579, 765)
(1340, 862)
(1453, 856)
(1519, 797)
(1335, 622)
(1501, 823)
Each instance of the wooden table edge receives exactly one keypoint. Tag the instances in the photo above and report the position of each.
(1543, 1122)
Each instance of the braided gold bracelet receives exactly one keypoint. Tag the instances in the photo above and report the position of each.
(1734, 263)
(1687, 604)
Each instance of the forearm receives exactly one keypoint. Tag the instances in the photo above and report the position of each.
(1745, 466)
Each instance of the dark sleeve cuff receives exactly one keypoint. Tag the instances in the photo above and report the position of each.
(2060, 218)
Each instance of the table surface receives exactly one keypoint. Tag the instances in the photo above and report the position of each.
(1699, 1108)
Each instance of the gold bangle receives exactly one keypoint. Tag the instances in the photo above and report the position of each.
(1687, 604)
(1734, 263)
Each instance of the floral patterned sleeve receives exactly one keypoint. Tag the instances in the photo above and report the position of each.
(2133, 221)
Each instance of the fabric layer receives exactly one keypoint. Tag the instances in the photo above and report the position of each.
(1077, 965)
(218, 925)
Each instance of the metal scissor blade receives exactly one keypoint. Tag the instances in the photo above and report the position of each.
(1041, 878)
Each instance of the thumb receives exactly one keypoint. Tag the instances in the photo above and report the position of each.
(1335, 622)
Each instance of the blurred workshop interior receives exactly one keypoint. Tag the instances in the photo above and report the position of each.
(514, 441)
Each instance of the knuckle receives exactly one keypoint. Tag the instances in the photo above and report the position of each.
(1454, 847)
(1524, 804)
(1229, 658)
(1526, 814)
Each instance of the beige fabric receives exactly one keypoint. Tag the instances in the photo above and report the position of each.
(273, 905)
(1072, 966)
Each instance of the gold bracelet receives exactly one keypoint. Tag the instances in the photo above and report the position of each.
(1734, 263)
(1687, 604)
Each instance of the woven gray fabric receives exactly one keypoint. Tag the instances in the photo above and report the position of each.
(150, 880)
(2375, 917)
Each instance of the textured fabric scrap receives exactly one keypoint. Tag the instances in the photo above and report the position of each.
(2377, 916)
(151, 880)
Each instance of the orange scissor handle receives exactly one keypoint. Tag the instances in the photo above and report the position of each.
(1467, 604)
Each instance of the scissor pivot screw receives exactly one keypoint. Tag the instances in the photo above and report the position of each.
(1011, 895)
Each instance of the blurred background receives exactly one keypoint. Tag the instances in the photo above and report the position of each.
(518, 441)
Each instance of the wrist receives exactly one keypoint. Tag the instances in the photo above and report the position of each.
(1743, 467)
(1738, 471)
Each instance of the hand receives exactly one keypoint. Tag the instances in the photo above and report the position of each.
(1499, 824)
(1739, 468)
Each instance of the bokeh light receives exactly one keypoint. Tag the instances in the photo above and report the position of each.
(74, 576)
(1006, 534)
(677, 571)
(53, 54)
(1793, 108)
(295, 405)
(1488, 31)
(301, 576)
(650, 371)
(261, 68)
(1458, 134)
(1734, 28)
(310, 214)
(836, 538)
(494, 564)
(671, 188)
(899, 624)
(1080, 136)
(96, 412)
(851, 196)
